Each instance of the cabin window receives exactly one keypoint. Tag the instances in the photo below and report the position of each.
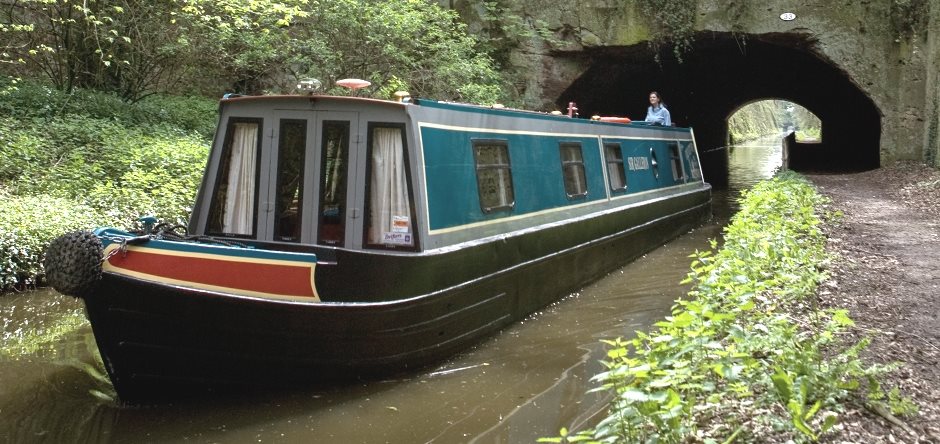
(335, 149)
(234, 202)
(615, 173)
(390, 221)
(292, 143)
(677, 172)
(572, 168)
(494, 175)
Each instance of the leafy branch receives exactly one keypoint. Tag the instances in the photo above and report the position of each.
(671, 22)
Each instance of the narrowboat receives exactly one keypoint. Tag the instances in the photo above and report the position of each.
(346, 237)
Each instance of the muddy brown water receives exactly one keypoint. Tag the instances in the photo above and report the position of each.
(530, 380)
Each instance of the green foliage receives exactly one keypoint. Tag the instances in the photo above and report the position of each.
(69, 42)
(670, 22)
(910, 17)
(121, 171)
(506, 30)
(38, 100)
(756, 119)
(895, 402)
(245, 43)
(748, 352)
(27, 224)
(809, 134)
(410, 44)
(766, 117)
(135, 48)
(91, 167)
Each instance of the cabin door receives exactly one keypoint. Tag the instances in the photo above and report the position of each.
(337, 137)
(388, 214)
(307, 192)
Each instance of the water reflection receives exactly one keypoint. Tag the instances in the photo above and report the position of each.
(53, 387)
(525, 383)
(754, 160)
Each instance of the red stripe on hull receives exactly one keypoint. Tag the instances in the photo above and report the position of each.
(270, 278)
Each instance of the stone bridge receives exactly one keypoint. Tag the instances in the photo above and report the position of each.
(867, 68)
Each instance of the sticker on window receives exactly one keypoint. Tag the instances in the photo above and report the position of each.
(397, 239)
(401, 224)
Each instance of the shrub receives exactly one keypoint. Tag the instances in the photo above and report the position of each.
(748, 354)
(105, 165)
(27, 225)
(35, 100)
(87, 159)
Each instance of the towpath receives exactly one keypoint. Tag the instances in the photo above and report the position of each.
(888, 276)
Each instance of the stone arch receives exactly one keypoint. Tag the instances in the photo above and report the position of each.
(724, 71)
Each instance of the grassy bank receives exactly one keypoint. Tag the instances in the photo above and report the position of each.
(88, 159)
(748, 356)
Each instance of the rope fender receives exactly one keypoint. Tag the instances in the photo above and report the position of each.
(73, 263)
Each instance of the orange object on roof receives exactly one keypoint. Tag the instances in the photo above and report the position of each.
(615, 119)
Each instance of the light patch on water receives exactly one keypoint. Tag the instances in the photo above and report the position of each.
(42, 332)
(33, 330)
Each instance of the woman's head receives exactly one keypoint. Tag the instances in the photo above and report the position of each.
(655, 99)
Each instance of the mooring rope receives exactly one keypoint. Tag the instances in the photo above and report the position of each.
(166, 231)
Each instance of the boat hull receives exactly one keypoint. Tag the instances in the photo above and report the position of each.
(160, 341)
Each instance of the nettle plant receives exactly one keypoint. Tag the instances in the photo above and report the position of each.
(749, 353)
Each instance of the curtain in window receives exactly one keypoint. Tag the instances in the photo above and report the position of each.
(615, 173)
(238, 217)
(390, 217)
(573, 164)
(494, 177)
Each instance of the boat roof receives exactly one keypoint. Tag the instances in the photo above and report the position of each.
(310, 98)
(430, 103)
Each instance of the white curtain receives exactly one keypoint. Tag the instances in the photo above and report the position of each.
(390, 221)
(574, 171)
(238, 217)
(615, 171)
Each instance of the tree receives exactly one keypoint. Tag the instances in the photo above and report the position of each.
(131, 47)
(244, 43)
(396, 44)
(65, 40)
(137, 47)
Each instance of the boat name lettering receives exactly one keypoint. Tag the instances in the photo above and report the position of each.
(638, 163)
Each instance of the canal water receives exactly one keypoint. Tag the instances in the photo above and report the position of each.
(527, 382)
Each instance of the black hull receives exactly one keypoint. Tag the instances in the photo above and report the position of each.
(158, 340)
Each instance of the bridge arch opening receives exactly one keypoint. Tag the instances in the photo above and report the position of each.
(721, 74)
(773, 117)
